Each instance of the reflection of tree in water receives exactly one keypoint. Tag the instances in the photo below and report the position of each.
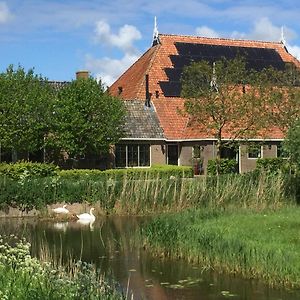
(115, 248)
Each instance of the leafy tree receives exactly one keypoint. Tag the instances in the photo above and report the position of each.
(292, 143)
(87, 119)
(223, 99)
(25, 109)
(282, 95)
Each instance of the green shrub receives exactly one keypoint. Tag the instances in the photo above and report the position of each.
(225, 166)
(272, 165)
(23, 170)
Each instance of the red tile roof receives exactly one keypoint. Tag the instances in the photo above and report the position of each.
(156, 60)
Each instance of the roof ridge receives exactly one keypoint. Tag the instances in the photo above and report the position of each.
(149, 66)
(219, 38)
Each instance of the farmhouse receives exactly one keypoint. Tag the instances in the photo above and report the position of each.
(151, 87)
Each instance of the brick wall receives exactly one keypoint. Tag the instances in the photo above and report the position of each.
(158, 154)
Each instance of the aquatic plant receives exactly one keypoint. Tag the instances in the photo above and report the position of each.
(26, 277)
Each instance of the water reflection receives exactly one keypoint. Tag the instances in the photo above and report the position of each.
(111, 243)
(86, 222)
(61, 226)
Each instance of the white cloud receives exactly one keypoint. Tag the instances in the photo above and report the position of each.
(109, 69)
(294, 50)
(123, 39)
(206, 31)
(5, 14)
(265, 30)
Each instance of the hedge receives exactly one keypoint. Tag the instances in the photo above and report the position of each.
(273, 165)
(225, 166)
(130, 173)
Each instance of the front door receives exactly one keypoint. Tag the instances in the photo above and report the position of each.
(173, 155)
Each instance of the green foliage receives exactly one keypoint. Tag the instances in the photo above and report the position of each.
(222, 166)
(151, 194)
(22, 188)
(26, 107)
(273, 165)
(22, 170)
(260, 245)
(87, 119)
(25, 277)
(292, 143)
(282, 96)
(217, 99)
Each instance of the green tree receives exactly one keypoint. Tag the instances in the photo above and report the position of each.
(282, 95)
(223, 99)
(25, 109)
(86, 118)
(292, 143)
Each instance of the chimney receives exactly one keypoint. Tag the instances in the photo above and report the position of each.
(82, 74)
(148, 94)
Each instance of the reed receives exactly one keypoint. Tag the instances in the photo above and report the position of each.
(153, 194)
(262, 245)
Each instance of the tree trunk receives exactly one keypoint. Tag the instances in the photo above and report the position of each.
(218, 153)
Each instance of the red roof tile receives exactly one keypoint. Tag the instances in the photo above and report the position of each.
(155, 62)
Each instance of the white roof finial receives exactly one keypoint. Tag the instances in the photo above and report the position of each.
(282, 39)
(155, 40)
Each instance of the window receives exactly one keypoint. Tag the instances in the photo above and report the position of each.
(254, 151)
(120, 156)
(197, 150)
(281, 151)
(144, 155)
(132, 155)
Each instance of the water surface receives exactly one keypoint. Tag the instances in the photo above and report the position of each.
(110, 243)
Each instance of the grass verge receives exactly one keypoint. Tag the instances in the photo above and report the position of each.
(264, 245)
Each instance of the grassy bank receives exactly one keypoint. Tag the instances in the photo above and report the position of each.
(262, 245)
(151, 194)
(24, 277)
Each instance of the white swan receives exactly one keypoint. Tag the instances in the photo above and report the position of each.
(87, 217)
(61, 210)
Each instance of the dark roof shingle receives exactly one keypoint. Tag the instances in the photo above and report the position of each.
(141, 122)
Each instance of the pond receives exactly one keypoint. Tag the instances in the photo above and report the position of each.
(111, 244)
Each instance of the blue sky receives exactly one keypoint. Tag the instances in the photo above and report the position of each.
(59, 37)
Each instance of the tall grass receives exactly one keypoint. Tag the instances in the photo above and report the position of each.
(261, 245)
(153, 194)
